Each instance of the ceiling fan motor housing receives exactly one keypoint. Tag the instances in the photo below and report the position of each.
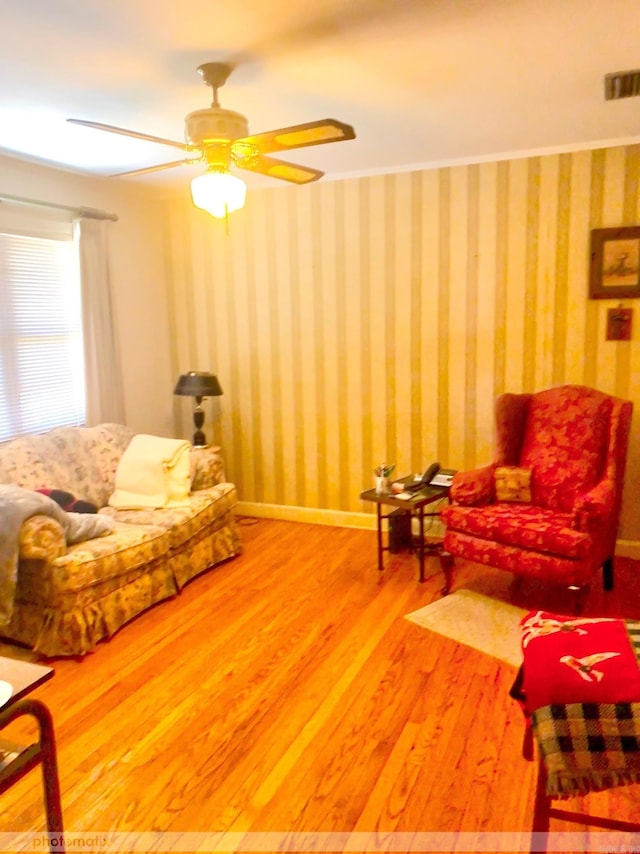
(214, 125)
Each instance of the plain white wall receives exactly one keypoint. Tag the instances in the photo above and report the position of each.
(137, 275)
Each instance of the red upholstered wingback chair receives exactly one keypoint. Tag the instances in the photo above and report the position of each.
(549, 504)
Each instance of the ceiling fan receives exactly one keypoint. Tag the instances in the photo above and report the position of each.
(220, 138)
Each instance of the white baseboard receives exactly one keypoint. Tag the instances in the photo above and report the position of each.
(628, 548)
(342, 519)
(312, 515)
(316, 516)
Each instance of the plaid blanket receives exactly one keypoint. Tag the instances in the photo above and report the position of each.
(588, 730)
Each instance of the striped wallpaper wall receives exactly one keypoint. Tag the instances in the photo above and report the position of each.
(377, 319)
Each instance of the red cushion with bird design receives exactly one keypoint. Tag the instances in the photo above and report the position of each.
(577, 660)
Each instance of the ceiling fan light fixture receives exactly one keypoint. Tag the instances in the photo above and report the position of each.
(219, 138)
(218, 192)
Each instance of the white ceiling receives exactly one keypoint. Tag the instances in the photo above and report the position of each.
(423, 82)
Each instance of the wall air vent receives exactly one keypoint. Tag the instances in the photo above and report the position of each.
(621, 84)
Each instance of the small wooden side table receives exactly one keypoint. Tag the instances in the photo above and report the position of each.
(16, 760)
(415, 505)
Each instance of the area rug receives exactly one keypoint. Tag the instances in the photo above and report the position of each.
(473, 619)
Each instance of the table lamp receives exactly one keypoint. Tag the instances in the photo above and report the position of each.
(198, 384)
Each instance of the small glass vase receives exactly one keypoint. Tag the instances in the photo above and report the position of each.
(382, 485)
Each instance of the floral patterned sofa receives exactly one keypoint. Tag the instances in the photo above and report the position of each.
(69, 597)
(548, 505)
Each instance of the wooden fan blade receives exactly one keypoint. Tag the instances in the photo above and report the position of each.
(275, 168)
(299, 136)
(112, 129)
(154, 168)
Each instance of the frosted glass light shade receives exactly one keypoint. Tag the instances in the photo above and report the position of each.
(218, 193)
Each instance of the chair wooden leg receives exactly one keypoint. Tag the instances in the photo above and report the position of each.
(541, 812)
(607, 574)
(527, 741)
(579, 597)
(50, 780)
(446, 564)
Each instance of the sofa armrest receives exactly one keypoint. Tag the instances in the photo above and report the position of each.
(41, 538)
(596, 507)
(207, 467)
(474, 487)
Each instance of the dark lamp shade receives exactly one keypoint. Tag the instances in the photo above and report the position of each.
(198, 384)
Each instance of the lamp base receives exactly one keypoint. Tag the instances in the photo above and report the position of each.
(199, 439)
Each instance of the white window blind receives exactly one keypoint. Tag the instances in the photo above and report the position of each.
(41, 352)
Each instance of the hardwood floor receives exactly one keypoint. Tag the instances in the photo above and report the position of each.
(284, 693)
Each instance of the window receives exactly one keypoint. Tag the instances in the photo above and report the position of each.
(41, 352)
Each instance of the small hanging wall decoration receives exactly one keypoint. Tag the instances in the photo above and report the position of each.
(619, 324)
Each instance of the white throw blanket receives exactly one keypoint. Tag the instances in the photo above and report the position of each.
(153, 472)
(18, 504)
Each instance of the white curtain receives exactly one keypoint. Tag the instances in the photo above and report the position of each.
(103, 372)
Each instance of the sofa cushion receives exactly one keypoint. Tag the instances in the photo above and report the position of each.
(89, 457)
(182, 523)
(23, 464)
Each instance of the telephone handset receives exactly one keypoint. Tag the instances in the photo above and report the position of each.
(430, 473)
(420, 482)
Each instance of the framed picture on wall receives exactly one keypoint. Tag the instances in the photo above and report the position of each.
(615, 263)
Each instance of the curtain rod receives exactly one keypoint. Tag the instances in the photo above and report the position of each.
(90, 213)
